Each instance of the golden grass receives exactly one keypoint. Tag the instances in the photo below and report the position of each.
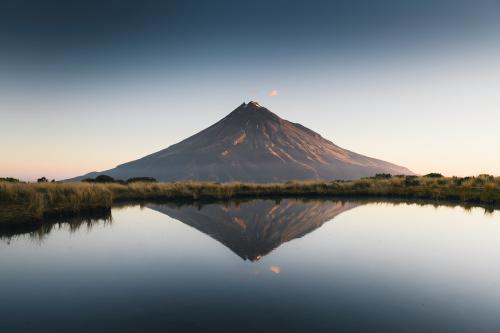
(25, 201)
(35, 201)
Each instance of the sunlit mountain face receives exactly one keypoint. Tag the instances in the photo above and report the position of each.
(254, 228)
(253, 144)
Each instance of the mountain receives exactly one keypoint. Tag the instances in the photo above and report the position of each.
(254, 228)
(253, 144)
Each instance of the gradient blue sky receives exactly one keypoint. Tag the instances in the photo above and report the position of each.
(85, 86)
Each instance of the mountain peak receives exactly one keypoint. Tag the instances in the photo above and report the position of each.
(253, 111)
(253, 144)
(254, 104)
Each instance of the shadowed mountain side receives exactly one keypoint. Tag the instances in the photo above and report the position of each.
(253, 229)
(252, 144)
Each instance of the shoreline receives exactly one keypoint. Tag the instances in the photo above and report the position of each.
(89, 218)
(33, 203)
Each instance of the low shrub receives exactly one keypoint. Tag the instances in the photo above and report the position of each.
(103, 179)
(382, 176)
(141, 180)
(434, 175)
(412, 181)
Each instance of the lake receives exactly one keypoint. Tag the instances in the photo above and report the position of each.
(257, 266)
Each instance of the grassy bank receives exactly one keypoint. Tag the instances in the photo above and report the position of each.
(27, 202)
(22, 202)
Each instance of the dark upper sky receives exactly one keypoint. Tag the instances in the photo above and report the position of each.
(73, 34)
(87, 85)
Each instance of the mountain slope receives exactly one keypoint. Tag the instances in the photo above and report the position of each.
(253, 144)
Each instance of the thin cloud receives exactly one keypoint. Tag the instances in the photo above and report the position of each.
(273, 93)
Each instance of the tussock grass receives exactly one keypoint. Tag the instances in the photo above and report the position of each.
(24, 202)
(27, 202)
(481, 189)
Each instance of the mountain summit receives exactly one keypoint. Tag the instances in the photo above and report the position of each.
(255, 145)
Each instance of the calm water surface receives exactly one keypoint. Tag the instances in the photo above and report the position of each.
(257, 266)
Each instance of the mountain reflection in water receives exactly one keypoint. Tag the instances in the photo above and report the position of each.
(250, 228)
(254, 228)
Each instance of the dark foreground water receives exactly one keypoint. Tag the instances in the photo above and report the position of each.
(260, 266)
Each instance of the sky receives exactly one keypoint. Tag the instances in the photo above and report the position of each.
(88, 85)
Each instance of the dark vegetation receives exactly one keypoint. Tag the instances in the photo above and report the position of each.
(31, 202)
(108, 179)
(382, 176)
(434, 175)
(101, 179)
(142, 179)
(44, 180)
